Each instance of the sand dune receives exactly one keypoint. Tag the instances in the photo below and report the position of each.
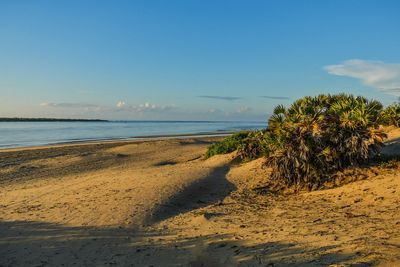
(160, 203)
(135, 180)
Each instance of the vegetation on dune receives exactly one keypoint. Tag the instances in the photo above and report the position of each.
(255, 145)
(307, 142)
(317, 136)
(391, 115)
(229, 144)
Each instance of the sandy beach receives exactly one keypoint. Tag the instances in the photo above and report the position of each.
(160, 203)
(200, 133)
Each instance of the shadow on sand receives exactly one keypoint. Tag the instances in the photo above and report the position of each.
(208, 190)
(26, 243)
(392, 148)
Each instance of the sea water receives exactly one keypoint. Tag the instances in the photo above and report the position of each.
(17, 134)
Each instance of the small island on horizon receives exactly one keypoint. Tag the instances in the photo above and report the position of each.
(16, 119)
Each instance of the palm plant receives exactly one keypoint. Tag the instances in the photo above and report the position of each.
(391, 115)
(308, 141)
(323, 134)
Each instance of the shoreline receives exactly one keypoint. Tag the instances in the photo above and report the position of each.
(138, 138)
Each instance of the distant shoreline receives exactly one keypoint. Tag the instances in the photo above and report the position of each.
(47, 120)
(27, 133)
(123, 140)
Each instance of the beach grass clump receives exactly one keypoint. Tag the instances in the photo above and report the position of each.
(228, 145)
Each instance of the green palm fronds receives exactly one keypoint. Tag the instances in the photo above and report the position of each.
(391, 115)
(308, 141)
(322, 134)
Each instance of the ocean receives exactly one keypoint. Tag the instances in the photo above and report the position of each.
(22, 134)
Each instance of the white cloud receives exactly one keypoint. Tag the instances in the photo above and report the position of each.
(152, 107)
(382, 76)
(214, 110)
(120, 104)
(145, 107)
(244, 109)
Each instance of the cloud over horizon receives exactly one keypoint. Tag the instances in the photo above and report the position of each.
(226, 98)
(121, 105)
(244, 109)
(383, 76)
(123, 110)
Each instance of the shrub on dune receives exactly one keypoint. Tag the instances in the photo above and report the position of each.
(320, 135)
(307, 142)
(229, 144)
(390, 116)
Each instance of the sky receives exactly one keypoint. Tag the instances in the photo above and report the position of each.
(192, 59)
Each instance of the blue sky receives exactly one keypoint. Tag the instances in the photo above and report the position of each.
(192, 60)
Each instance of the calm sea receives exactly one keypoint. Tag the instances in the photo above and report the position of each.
(16, 134)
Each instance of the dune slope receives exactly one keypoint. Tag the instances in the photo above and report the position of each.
(159, 203)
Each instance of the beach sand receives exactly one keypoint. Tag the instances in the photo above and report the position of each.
(160, 203)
